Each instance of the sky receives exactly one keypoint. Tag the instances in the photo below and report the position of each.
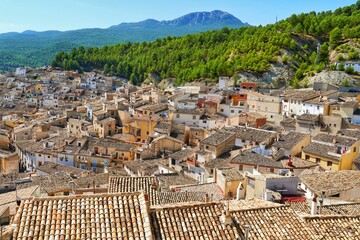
(41, 15)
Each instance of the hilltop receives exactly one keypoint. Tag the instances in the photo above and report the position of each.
(34, 49)
(292, 50)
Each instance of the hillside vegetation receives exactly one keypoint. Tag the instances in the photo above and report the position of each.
(302, 42)
(36, 49)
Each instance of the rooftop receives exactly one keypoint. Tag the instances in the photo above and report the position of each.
(290, 140)
(217, 138)
(332, 182)
(335, 139)
(200, 221)
(272, 223)
(252, 134)
(105, 216)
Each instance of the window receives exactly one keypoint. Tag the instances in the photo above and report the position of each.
(194, 116)
(243, 140)
(109, 132)
(239, 111)
(241, 167)
(48, 156)
(232, 111)
(307, 157)
(122, 154)
(177, 115)
(354, 149)
(221, 110)
(318, 160)
(334, 124)
(329, 163)
(204, 121)
(271, 116)
(206, 147)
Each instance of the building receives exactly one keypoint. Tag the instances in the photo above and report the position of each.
(332, 152)
(107, 213)
(293, 143)
(218, 143)
(105, 127)
(341, 185)
(266, 105)
(141, 127)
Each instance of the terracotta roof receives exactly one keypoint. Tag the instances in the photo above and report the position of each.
(192, 222)
(106, 216)
(169, 180)
(179, 155)
(332, 182)
(308, 117)
(335, 139)
(252, 134)
(290, 140)
(217, 138)
(255, 159)
(335, 227)
(272, 223)
(52, 168)
(134, 184)
(322, 150)
(211, 189)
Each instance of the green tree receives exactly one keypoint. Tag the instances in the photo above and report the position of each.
(335, 37)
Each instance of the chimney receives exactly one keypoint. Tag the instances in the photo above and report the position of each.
(207, 198)
(147, 201)
(321, 201)
(225, 218)
(313, 206)
(247, 231)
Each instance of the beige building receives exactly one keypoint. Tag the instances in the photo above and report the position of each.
(332, 152)
(231, 182)
(218, 143)
(266, 105)
(105, 127)
(9, 162)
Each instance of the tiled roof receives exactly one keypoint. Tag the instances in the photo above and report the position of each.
(332, 182)
(192, 222)
(255, 159)
(335, 227)
(217, 138)
(348, 209)
(321, 150)
(134, 184)
(174, 179)
(302, 95)
(308, 117)
(354, 133)
(180, 197)
(211, 189)
(179, 155)
(146, 167)
(337, 140)
(252, 134)
(52, 168)
(106, 216)
(290, 140)
(232, 174)
(272, 223)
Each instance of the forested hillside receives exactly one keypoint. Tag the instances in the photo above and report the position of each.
(302, 42)
(36, 49)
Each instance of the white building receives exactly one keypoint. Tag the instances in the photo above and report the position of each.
(224, 83)
(355, 65)
(189, 117)
(20, 71)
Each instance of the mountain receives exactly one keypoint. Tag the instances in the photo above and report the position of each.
(31, 48)
(292, 50)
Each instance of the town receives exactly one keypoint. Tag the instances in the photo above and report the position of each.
(87, 156)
